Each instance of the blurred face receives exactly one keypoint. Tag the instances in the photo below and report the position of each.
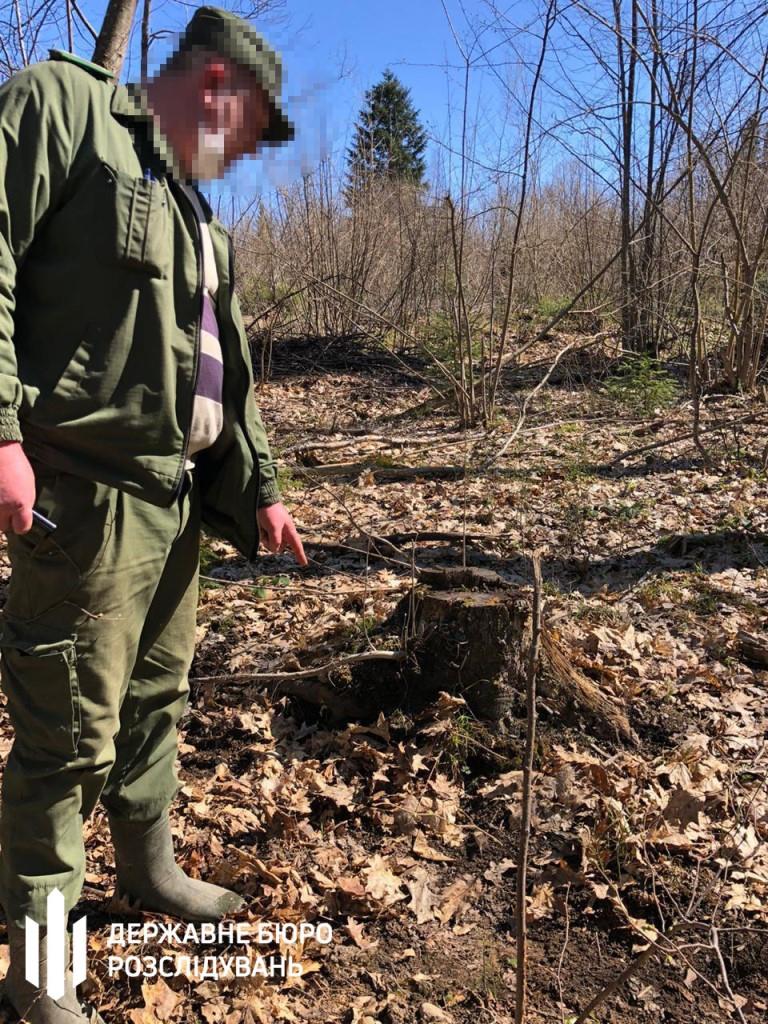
(234, 114)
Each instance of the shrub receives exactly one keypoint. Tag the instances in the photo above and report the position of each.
(642, 385)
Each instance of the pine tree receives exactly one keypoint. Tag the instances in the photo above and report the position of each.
(389, 140)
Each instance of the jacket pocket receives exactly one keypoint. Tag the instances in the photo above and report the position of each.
(39, 679)
(142, 229)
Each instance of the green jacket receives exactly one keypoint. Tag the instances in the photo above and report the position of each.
(100, 292)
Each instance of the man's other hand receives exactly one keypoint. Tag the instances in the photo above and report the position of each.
(277, 531)
(17, 488)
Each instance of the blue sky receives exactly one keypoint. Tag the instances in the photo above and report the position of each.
(332, 52)
(335, 49)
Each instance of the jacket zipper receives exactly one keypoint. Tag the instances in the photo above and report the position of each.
(196, 372)
(240, 408)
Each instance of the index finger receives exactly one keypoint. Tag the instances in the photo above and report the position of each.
(295, 544)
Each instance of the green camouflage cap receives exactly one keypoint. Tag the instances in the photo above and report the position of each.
(212, 28)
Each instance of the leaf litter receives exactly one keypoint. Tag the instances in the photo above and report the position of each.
(401, 832)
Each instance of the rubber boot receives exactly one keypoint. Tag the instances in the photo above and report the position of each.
(148, 877)
(32, 1002)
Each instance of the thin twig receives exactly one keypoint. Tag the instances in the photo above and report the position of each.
(524, 410)
(724, 973)
(84, 20)
(625, 975)
(305, 673)
(525, 825)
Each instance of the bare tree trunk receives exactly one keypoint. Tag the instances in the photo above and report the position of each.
(627, 64)
(696, 347)
(145, 17)
(70, 40)
(20, 31)
(113, 38)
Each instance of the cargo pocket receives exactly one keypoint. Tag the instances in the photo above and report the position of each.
(142, 222)
(50, 571)
(38, 675)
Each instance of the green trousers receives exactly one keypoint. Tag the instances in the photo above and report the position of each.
(96, 640)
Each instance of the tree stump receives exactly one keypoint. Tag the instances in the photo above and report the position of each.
(463, 633)
(469, 643)
(466, 632)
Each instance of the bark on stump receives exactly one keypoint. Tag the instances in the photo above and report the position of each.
(463, 631)
(470, 644)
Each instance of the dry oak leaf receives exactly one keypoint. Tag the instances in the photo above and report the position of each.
(201, 810)
(214, 1012)
(741, 898)
(364, 1010)
(350, 893)
(684, 807)
(541, 903)
(306, 966)
(329, 857)
(495, 872)
(429, 1012)
(355, 930)
(455, 896)
(241, 818)
(160, 1002)
(744, 844)
(506, 784)
(338, 792)
(382, 883)
(250, 992)
(323, 881)
(422, 849)
(423, 900)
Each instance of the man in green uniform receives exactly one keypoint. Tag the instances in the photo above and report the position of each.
(128, 419)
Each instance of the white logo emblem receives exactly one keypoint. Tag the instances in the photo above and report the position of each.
(56, 921)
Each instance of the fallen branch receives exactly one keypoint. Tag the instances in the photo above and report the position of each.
(409, 536)
(304, 673)
(753, 648)
(381, 472)
(363, 436)
(345, 442)
(310, 684)
(688, 436)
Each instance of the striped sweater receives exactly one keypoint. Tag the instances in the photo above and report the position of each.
(207, 412)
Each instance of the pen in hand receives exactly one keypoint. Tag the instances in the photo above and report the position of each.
(43, 521)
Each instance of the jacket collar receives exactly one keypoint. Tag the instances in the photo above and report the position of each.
(130, 102)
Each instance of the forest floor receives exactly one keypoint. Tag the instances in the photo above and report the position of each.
(402, 832)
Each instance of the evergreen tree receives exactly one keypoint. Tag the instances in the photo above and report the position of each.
(389, 140)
